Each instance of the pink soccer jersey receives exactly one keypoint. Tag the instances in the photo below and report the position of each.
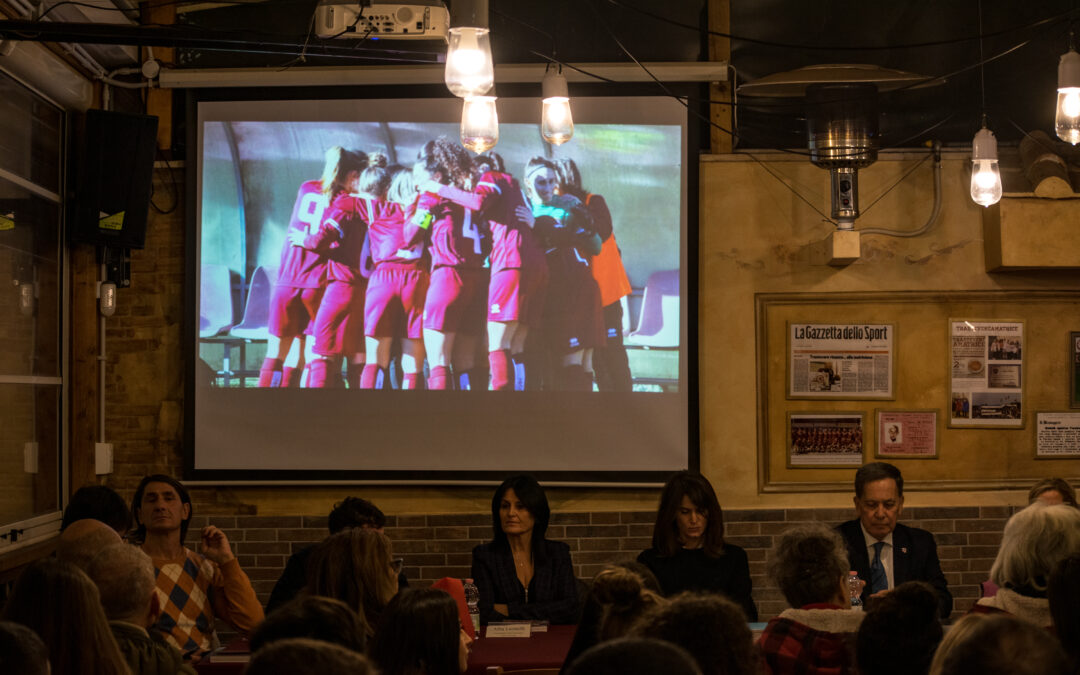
(302, 267)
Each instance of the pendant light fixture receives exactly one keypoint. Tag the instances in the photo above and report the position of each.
(479, 123)
(470, 70)
(556, 122)
(985, 175)
(1067, 118)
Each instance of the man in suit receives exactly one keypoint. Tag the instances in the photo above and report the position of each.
(884, 552)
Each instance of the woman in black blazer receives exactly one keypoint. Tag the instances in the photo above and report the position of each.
(520, 574)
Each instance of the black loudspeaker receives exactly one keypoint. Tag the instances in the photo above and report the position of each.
(113, 160)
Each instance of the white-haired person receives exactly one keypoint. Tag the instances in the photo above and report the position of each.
(1035, 540)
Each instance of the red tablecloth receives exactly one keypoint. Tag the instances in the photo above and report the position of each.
(541, 650)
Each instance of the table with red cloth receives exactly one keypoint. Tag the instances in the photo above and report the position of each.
(545, 649)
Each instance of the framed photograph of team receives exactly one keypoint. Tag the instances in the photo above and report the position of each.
(986, 368)
(910, 434)
(819, 440)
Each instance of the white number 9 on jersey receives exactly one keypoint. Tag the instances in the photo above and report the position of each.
(310, 213)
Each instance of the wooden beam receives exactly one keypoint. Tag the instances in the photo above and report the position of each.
(159, 101)
(720, 114)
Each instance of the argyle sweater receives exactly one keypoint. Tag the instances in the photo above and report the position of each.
(193, 591)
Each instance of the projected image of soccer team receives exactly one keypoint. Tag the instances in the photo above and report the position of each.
(497, 284)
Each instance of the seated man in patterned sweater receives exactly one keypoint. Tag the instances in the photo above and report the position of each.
(193, 588)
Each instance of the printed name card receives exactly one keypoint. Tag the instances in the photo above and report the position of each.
(508, 630)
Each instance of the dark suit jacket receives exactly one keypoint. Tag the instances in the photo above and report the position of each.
(914, 559)
(552, 592)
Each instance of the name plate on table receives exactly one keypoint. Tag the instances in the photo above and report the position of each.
(509, 630)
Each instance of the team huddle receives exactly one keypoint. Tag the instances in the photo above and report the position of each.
(451, 263)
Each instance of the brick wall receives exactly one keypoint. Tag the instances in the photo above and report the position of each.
(435, 546)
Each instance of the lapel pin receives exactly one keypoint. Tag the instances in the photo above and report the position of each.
(903, 549)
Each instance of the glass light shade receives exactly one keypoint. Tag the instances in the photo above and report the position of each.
(469, 67)
(985, 176)
(556, 123)
(479, 123)
(1067, 118)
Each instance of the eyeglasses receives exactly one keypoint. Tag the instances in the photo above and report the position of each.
(397, 564)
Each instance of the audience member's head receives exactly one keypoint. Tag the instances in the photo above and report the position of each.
(83, 539)
(100, 503)
(420, 633)
(711, 628)
(1035, 540)
(160, 493)
(900, 632)
(635, 656)
(616, 597)
(21, 650)
(355, 567)
(809, 564)
(304, 656)
(998, 644)
(311, 616)
(1052, 491)
(685, 495)
(59, 602)
(124, 576)
(1063, 591)
(355, 512)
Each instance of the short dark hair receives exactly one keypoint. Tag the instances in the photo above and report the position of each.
(532, 496)
(304, 656)
(315, 617)
(1001, 644)
(635, 656)
(665, 537)
(710, 627)
(21, 650)
(419, 632)
(807, 563)
(1061, 485)
(136, 504)
(98, 502)
(901, 631)
(355, 512)
(874, 471)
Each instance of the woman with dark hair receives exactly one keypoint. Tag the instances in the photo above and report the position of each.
(60, 603)
(459, 240)
(420, 633)
(1053, 491)
(688, 550)
(301, 279)
(340, 237)
(520, 574)
(573, 323)
(356, 567)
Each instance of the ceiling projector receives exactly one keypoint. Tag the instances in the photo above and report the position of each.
(420, 20)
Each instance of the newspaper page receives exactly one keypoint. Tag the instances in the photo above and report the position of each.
(1057, 434)
(986, 373)
(840, 361)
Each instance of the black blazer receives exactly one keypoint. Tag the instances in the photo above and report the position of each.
(552, 593)
(914, 559)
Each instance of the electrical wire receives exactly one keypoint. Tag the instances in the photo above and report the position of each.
(791, 188)
(897, 182)
(787, 45)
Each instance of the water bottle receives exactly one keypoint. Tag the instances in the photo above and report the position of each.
(472, 601)
(855, 586)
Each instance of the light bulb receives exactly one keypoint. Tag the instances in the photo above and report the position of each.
(985, 176)
(479, 123)
(556, 122)
(469, 67)
(1067, 118)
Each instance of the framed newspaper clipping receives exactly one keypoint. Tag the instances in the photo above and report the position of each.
(907, 434)
(1074, 369)
(986, 373)
(829, 439)
(841, 361)
(1057, 435)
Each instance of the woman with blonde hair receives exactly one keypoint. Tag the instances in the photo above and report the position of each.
(355, 566)
(60, 603)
